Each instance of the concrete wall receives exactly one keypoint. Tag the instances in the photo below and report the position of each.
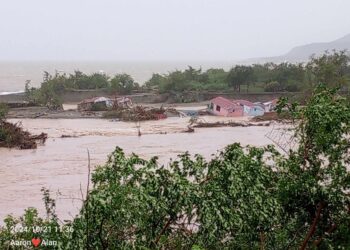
(12, 98)
(79, 95)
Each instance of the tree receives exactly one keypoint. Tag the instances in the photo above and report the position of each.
(330, 69)
(3, 111)
(315, 178)
(273, 87)
(157, 81)
(123, 84)
(240, 75)
(99, 81)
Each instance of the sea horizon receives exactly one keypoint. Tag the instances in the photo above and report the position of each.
(14, 74)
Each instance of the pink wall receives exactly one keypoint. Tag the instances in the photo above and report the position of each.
(224, 112)
(238, 112)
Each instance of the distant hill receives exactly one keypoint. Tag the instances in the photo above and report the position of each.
(303, 53)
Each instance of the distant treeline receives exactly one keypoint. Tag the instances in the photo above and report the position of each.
(269, 77)
(330, 68)
(122, 83)
(53, 87)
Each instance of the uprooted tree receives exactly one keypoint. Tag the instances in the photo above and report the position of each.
(244, 198)
(13, 136)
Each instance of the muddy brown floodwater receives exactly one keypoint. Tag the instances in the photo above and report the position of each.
(61, 165)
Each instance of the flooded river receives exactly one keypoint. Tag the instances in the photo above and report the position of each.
(62, 164)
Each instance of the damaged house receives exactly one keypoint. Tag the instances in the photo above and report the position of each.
(104, 103)
(224, 107)
(234, 108)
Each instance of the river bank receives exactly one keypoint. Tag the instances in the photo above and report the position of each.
(70, 111)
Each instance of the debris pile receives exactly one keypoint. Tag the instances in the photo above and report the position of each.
(137, 113)
(227, 124)
(272, 116)
(13, 136)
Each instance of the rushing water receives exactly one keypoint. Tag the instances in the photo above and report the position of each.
(62, 164)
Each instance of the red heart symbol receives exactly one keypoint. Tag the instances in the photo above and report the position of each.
(36, 242)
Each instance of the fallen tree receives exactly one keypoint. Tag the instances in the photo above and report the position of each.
(13, 136)
(273, 116)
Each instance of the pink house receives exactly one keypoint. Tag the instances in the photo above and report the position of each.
(245, 103)
(225, 107)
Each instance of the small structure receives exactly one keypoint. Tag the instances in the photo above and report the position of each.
(104, 103)
(95, 104)
(225, 107)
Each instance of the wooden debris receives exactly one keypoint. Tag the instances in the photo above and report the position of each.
(271, 116)
(137, 113)
(13, 136)
(189, 130)
(69, 136)
(227, 124)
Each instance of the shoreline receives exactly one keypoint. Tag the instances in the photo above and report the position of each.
(70, 111)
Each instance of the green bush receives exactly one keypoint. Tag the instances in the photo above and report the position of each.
(3, 111)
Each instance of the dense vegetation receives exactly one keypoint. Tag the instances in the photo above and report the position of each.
(244, 198)
(269, 77)
(53, 87)
(330, 68)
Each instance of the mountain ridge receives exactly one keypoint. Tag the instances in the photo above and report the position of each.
(303, 53)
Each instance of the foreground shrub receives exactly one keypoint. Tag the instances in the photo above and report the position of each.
(3, 111)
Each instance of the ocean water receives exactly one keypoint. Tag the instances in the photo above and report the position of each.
(13, 75)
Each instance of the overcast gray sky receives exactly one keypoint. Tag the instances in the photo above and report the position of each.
(165, 29)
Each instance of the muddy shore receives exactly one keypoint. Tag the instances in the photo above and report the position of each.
(70, 111)
(45, 113)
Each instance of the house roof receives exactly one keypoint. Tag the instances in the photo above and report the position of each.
(223, 102)
(245, 102)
